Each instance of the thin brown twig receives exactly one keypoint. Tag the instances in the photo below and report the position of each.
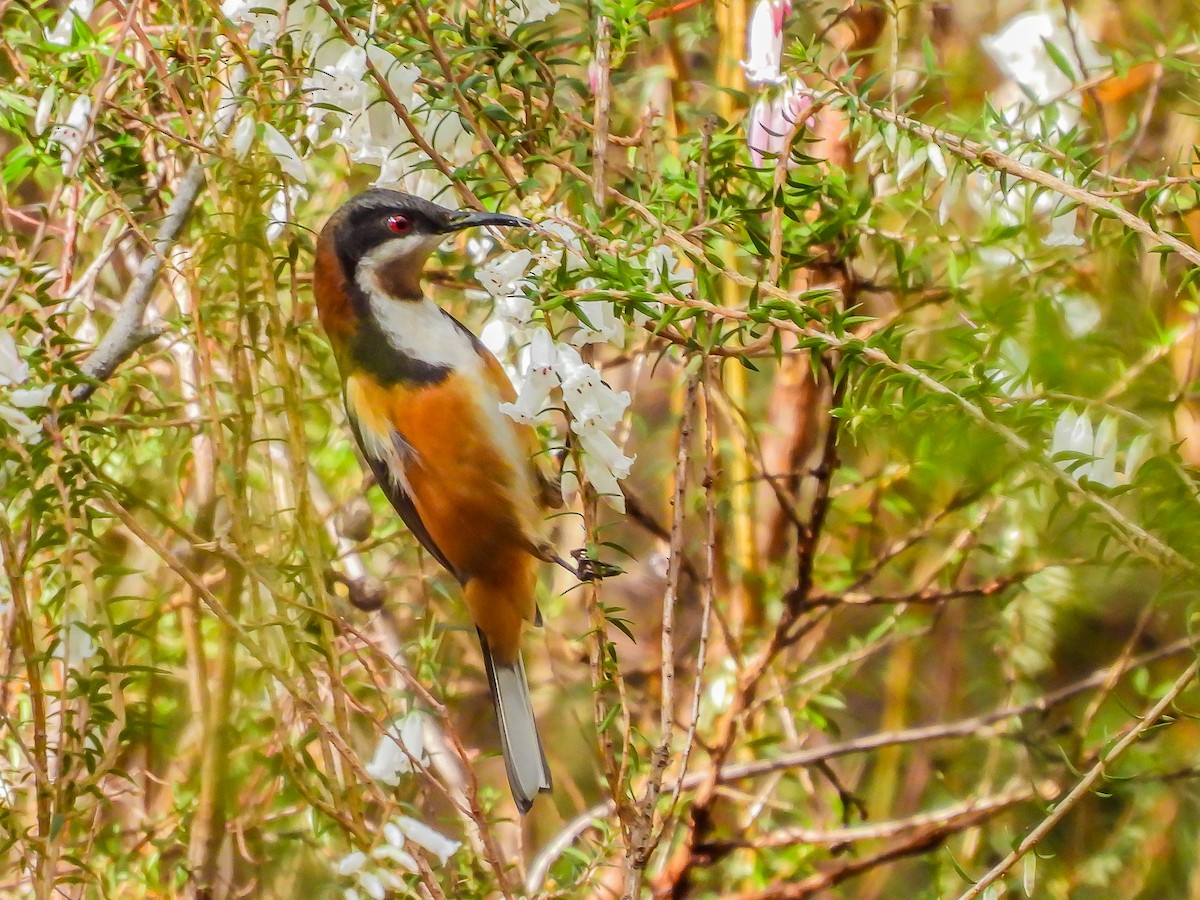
(643, 839)
(922, 840)
(1085, 784)
(673, 9)
(977, 726)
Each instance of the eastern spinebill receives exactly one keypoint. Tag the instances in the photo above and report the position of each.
(423, 397)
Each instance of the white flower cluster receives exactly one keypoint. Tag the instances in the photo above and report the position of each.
(341, 95)
(265, 18)
(1073, 433)
(400, 751)
(526, 12)
(906, 158)
(15, 400)
(783, 104)
(595, 408)
(1039, 102)
(65, 27)
(375, 874)
(548, 365)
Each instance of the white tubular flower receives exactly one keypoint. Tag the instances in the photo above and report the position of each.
(1139, 449)
(681, 276)
(393, 835)
(428, 183)
(1080, 314)
(1062, 231)
(352, 863)
(504, 275)
(1104, 468)
(937, 160)
(596, 409)
(45, 109)
(13, 370)
(285, 154)
(372, 135)
(282, 206)
(600, 448)
(526, 12)
(551, 253)
(1074, 434)
(401, 77)
(77, 646)
(1010, 375)
(444, 131)
(399, 750)
(72, 135)
(1019, 51)
(762, 131)
(427, 838)
(539, 380)
(773, 121)
(909, 163)
(243, 137)
(373, 885)
(396, 856)
(951, 188)
(308, 24)
(340, 84)
(604, 464)
(265, 26)
(494, 336)
(375, 874)
(764, 42)
(227, 103)
(478, 248)
(27, 398)
(601, 326)
(515, 310)
(65, 27)
(27, 430)
(592, 403)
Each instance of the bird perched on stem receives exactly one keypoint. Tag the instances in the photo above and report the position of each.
(423, 397)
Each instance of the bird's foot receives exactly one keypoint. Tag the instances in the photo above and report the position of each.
(589, 569)
(586, 568)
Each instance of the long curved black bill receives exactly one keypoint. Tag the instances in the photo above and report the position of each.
(469, 219)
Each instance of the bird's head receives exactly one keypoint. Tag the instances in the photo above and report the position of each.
(382, 238)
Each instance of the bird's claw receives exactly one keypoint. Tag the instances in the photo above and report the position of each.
(585, 569)
(588, 569)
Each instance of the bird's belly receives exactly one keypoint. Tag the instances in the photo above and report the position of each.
(462, 468)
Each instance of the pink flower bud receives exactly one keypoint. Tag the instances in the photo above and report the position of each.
(773, 121)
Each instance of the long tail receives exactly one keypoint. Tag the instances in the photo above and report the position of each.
(523, 756)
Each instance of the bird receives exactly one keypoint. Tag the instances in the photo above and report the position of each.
(422, 395)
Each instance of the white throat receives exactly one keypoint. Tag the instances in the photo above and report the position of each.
(417, 328)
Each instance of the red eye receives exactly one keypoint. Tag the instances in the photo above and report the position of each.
(399, 224)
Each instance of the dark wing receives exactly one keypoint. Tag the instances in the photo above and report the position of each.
(400, 500)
